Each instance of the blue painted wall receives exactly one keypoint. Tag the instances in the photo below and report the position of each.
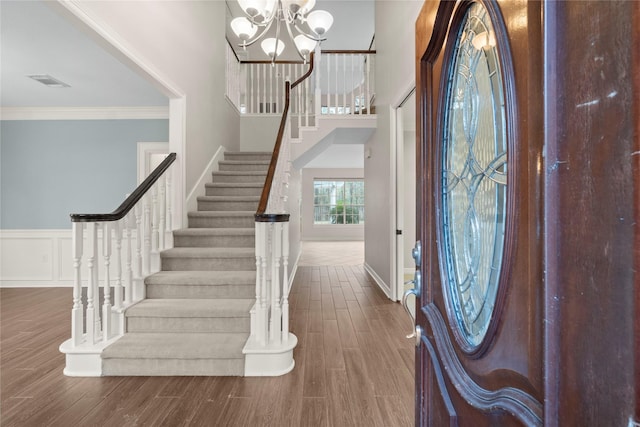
(49, 169)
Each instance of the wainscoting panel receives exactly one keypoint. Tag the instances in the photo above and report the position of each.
(42, 258)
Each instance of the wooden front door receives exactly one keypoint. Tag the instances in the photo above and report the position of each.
(528, 203)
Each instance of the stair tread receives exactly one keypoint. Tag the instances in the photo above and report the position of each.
(208, 253)
(242, 173)
(215, 232)
(244, 162)
(234, 184)
(229, 198)
(248, 153)
(209, 278)
(177, 345)
(232, 307)
(221, 213)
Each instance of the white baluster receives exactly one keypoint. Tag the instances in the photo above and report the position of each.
(337, 83)
(353, 87)
(344, 84)
(155, 218)
(306, 102)
(106, 288)
(117, 294)
(162, 227)
(285, 282)
(251, 93)
(367, 93)
(146, 229)
(92, 246)
(128, 276)
(139, 236)
(271, 90)
(328, 84)
(168, 175)
(77, 310)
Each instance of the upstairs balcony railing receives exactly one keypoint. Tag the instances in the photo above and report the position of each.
(341, 84)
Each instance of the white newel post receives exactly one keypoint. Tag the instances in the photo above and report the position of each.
(275, 325)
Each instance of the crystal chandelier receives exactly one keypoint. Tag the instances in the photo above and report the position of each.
(295, 15)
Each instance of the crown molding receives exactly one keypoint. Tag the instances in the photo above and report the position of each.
(83, 113)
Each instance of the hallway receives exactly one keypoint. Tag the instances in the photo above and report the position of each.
(353, 364)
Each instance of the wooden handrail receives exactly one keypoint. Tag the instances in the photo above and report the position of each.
(266, 190)
(133, 198)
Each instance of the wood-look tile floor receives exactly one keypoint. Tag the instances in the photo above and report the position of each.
(353, 367)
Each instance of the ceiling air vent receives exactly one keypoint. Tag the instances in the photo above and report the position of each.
(47, 80)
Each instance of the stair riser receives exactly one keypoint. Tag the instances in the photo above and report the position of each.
(214, 241)
(201, 292)
(235, 167)
(208, 264)
(238, 178)
(188, 324)
(205, 205)
(222, 222)
(173, 367)
(247, 157)
(234, 191)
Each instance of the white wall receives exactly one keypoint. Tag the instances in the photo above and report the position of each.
(409, 184)
(258, 133)
(395, 73)
(295, 192)
(328, 232)
(183, 41)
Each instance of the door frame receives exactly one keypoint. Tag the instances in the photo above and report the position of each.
(397, 196)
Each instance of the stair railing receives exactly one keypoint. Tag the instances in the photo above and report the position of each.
(142, 225)
(270, 314)
(344, 85)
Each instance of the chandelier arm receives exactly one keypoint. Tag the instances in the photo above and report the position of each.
(309, 36)
(294, 43)
(258, 37)
(275, 48)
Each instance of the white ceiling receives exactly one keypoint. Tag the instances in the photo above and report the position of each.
(36, 40)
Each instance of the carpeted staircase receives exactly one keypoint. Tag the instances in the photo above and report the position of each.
(195, 319)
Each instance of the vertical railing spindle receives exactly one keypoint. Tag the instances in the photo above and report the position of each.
(155, 218)
(77, 328)
(91, 285)
(146, 229)
(139, 237)
(285, 282)
(117, 293)
(162, 227)
(129, 220)
(106, 288)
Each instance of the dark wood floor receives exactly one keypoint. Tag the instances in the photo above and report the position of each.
(353, 367)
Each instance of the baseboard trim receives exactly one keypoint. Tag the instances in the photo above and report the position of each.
(378, 280)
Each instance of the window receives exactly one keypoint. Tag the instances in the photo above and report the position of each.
(338, 201)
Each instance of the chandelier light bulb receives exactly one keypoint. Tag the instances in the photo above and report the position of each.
(243, 28)
(269, 47)
(252, 8)
(304, 44)
(320, 21)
